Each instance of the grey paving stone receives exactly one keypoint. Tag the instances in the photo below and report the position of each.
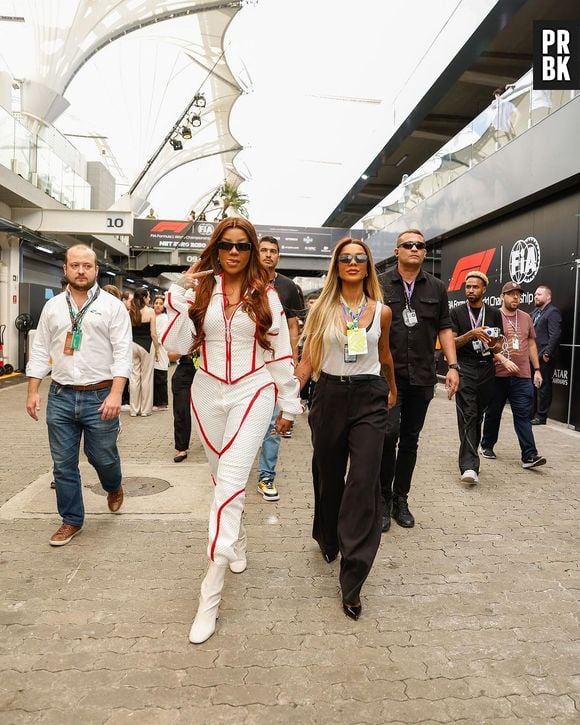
(470, 617)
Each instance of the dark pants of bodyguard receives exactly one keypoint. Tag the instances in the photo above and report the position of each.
(348, 421)
(544, 395)
(405, 422)
(71, 414)
(472, 399)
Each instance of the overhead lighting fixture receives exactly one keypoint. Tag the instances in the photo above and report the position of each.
(364, 177)
(401, 160)
(196, 120)
(185, 132)
(199, 100)
(111, 274)
(128, 279)
(44, 249)
(176, 144)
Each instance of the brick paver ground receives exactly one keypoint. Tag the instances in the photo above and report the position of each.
(470, 617)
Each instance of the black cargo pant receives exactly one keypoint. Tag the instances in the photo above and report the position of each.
(348, 423)
(181, 390)
(475, 393)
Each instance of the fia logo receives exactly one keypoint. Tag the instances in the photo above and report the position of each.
(556, 55)
(524, 260)
(205, 229)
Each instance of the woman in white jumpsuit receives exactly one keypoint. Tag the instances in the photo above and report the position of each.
(225, 308)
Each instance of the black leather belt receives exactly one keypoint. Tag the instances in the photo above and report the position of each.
(349, 378)
(94, 386)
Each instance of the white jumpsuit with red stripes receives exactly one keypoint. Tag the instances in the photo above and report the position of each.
(233, 396)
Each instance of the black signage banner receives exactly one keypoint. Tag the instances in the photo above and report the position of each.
(533, 247)
(186, 235)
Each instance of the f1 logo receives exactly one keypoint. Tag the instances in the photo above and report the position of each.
(556, 55)
(176, 227)
(479, 261)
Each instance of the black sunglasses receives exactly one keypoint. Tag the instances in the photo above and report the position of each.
(358, 258)
(228, 246)
(409, 245)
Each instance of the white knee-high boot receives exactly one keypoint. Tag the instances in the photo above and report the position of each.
(239, 564)
(209, 600)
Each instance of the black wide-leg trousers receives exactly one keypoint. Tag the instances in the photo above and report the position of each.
(348, 423)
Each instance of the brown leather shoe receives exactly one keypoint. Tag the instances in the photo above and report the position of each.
(115, 500)
(64, 534)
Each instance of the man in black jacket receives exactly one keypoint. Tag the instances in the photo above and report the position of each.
(420, 309)
(548, 326)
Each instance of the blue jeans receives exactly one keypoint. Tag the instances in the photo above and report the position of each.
(70, 414)
(520, 393)
(269, 453)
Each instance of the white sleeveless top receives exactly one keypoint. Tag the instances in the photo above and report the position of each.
(333, 360)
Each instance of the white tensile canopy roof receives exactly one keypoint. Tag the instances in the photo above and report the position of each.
(301, 96)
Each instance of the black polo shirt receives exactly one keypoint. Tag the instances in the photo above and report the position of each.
(461, 324)
(413, 348)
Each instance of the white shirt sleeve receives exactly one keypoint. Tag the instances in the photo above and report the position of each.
(121, 337)
(180, 330)
(39, 364)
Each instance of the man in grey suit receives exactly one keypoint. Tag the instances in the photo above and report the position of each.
(548, 326)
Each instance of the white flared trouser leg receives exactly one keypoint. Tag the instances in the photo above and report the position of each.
(231, 422)
(209, 601)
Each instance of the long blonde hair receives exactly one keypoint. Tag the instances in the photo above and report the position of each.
(326, 314)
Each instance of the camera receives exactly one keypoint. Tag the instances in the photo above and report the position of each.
(493, 331)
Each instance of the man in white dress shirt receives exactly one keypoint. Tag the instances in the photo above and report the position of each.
(84, 336)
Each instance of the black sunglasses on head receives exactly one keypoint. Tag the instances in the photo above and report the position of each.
(228, 246)
(358, 258)
(409, 245)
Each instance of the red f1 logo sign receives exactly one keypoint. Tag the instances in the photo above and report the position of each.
(176, 227)
(479, 261)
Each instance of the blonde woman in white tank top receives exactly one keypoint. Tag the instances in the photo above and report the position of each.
(347, 353)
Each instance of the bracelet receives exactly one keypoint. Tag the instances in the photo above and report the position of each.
(536, 370)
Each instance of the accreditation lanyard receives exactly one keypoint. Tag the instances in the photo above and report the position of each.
(74, 337)
(515, 338)
(356, 338)
(409, 314)
(477, 345)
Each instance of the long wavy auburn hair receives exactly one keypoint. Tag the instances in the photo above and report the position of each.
(255, 285)
(325, 318)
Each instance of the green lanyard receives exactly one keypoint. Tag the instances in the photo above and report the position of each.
(77, 319)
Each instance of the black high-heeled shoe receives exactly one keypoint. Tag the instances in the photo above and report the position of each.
(352, 610)
(329, 556)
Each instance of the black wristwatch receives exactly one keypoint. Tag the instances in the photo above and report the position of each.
(454, 366)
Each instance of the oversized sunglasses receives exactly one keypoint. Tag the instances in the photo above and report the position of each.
(358, 258)
(228, 246)
(409, 245)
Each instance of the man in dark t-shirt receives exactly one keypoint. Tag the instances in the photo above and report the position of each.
(475, 348)
(290, 297)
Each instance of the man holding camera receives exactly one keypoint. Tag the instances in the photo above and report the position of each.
(476, 330)
(513, 381)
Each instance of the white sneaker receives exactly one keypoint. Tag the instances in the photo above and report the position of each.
(125, 408)
(470, 477)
